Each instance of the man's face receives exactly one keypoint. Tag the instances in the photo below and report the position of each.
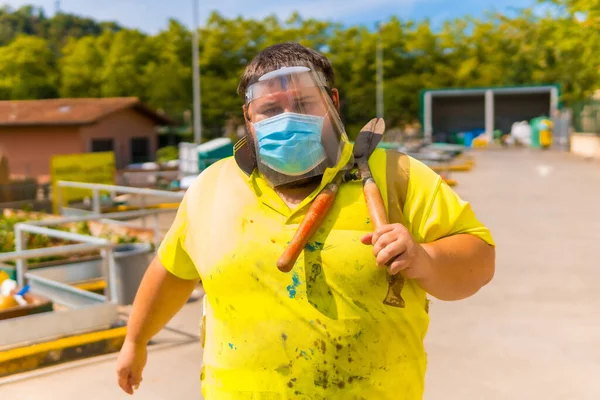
(299, 100)
(306, 100)
(294, 96)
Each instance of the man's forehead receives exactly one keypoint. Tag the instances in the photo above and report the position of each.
(295, 94)
(287, 84)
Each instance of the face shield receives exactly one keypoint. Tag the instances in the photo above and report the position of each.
(295, 126)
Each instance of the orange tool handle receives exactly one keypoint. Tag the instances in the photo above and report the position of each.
(375, 203)
(309, 225)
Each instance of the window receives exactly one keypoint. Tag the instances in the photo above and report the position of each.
(101, 145)
(140, 150)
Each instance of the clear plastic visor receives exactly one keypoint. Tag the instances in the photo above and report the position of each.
(296, 128)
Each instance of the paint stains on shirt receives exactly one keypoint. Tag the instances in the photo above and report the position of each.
(295, 283)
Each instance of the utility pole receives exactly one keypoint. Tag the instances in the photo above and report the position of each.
(57, 7)
(196, 67)
(379, 73)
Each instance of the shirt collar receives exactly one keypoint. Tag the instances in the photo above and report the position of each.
(266, 193)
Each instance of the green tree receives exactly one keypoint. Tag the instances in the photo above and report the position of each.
(124, 65)
(30, 20)
(584, 10)
(27, 70)
(572, 47)
(27, 20)
(225, 48)
(169, 73)
(81, 68)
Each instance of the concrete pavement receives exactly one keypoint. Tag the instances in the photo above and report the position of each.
(531, 334)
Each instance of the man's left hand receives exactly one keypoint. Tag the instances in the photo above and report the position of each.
(394, 247)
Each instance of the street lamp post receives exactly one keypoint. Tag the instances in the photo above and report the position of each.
(379, 73)
(196, 67)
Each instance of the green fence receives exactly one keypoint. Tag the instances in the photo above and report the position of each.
(586, 117)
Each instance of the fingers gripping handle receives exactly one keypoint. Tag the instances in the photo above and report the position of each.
(379, 218)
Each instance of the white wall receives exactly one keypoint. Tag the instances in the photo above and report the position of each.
(586, 145)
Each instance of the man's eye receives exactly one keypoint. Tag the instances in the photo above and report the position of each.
(271, 111)
(305, 106)
(302, 107)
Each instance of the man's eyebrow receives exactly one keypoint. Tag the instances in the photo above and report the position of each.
(269, 103)
(277, 102)
(305, 97)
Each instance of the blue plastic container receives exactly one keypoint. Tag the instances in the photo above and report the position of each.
(468, 139)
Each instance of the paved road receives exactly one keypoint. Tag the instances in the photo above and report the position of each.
(531, 334)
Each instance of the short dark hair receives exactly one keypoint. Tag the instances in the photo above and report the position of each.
(284, 55)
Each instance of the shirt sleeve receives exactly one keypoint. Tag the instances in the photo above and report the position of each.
(172, 252)
(436, 211)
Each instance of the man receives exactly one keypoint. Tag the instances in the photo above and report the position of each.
(323, 330)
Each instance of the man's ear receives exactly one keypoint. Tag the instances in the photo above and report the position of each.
(335, 96)
(247, 121)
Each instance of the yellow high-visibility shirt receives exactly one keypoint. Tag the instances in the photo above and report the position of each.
(321, 331)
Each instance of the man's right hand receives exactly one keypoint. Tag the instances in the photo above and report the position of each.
(130, 365)
(159, 297)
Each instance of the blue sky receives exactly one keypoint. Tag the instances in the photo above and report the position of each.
(152, 15)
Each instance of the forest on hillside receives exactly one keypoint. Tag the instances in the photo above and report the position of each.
(71, 56)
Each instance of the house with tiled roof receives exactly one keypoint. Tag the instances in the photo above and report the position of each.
(32, 131)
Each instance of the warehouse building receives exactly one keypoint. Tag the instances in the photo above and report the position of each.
(447, 111)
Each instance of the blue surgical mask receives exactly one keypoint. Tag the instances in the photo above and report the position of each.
(290, 143)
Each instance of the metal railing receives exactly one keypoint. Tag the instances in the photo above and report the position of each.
(87, 243)
(96, 188)
(147, 178)
(86, 311)
(141, 193)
